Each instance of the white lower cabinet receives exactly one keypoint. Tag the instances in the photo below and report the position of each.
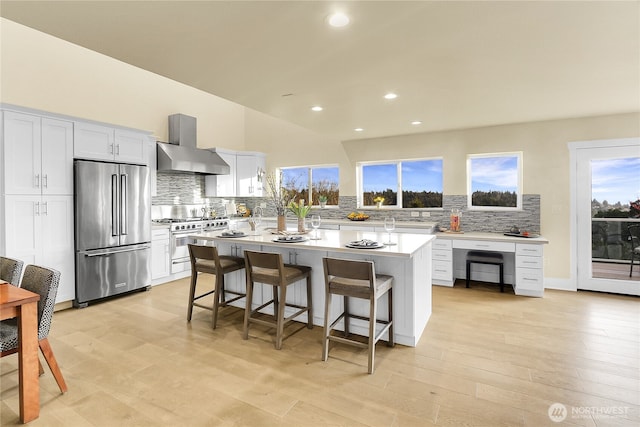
(39, 230)
(529, 270)
(160, 254)
(442, 262)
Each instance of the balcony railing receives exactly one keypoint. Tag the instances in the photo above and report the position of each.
(610, 240)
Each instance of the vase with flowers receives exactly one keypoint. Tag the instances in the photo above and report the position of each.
(280, 198)
(378, 201)
(322, 200)
(300, 210)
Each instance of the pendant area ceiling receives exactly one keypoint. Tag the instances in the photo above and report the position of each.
(452, 64)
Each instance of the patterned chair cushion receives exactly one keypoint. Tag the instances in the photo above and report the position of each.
(10, 270)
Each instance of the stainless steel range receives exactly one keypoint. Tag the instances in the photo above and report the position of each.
(180, 229)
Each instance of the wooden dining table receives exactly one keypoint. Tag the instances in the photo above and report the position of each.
(23, 304)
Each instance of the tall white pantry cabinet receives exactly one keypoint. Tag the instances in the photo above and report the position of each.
(37, 150)
(37, 160)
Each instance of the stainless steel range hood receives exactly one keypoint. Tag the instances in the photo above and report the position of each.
(181, 153)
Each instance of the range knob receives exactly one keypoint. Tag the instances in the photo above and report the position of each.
(182, 227)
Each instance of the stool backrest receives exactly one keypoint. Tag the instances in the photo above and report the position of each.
(209, 253)
(10, 270)
(349, 277)
(264, 267)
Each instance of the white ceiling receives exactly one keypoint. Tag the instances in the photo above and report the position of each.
(452, 64)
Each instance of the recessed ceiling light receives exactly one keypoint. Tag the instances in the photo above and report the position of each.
(416, 122)
(338, 20)
(390, 95)
(316, 108)
(358, 129)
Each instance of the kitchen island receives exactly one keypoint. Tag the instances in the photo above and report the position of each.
(408, 261)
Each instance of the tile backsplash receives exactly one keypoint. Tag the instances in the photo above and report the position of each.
(188, 189)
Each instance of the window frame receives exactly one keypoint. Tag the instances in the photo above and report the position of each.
(399, 196)
(520, 188)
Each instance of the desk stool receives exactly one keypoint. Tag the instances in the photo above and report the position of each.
(483, 257)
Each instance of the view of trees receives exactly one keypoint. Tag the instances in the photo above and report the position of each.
(410, 199)
(618, 210)
(322, 187)
(507, 199)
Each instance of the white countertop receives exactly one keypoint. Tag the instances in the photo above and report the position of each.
(493, 237)
(335, 241)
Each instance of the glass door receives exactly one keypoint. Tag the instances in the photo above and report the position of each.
(607, 208)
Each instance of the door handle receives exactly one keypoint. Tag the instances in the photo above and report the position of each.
(45, 181)
(37, 208)
(117, 149)
(114, 205)
(37, 180)
(123, 204)
(45, 208)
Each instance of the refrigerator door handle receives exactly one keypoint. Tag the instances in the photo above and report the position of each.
(123, 204)
(114, 205)
(102, 252)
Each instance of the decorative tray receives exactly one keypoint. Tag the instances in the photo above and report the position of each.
(525, 236)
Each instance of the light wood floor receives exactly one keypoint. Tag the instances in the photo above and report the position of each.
(485, 359)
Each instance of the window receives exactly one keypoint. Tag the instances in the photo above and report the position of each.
(311, 182)
(406, 183)
(494, 181)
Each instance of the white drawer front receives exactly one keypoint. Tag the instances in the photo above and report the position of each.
(442, 244)
(529, 278)
(485, 246)
(528, 261)
(529, 250)
(440, 255)
(442, 270)
(159, 234)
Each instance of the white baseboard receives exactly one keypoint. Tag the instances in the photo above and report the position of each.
(560, 284)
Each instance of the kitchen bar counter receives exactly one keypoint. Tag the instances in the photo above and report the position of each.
(409, 262)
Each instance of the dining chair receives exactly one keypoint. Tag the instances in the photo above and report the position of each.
(268, 268)
(634, 236)
(44, 282)
(205, 259)
(357, 279)
(10, 270)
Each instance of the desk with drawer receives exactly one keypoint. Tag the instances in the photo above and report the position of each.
(523, 260)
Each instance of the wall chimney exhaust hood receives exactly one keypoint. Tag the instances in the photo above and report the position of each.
(181, 153)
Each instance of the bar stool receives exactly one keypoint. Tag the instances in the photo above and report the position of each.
(268, 268)
(483, 257)
(205, 259)
(356, 279)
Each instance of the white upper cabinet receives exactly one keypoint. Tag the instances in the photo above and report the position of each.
(222, 185)
(96, 142)
(245, 177)
(250, 169)
(38, 155)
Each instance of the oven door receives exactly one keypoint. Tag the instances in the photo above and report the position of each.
(180, 250)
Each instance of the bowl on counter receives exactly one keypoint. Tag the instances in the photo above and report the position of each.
(358, 216)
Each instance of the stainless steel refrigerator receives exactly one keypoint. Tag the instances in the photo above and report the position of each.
(112, 229)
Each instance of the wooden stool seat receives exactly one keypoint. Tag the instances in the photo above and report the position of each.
(356, 279)
(484, 257)
(268, 268)
(205, 259)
